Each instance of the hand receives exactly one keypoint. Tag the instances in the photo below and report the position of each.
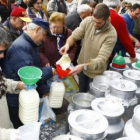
(133, 59)
(137, 44)
(15, 134)
(20, 86)
(77, 69)
(54, 71)
(48, 64)
(64, 49)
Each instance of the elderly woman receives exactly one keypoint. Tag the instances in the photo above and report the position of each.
(6, 85)
(49, 53)
(35, 9)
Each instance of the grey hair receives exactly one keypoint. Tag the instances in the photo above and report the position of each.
(31, 26)
(83, 8)
(112, 3)
(5, 37)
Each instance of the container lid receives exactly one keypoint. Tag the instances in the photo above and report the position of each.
(101, 82)
(134, 66)
(107, 107)
(137, 112)
(67, 137)
(88, 122)
(130, 131)
(123, 85)
(112, 74)
(132, 74)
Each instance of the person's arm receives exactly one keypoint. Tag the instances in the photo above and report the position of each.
(124, 38)
(77, 34)
(102, 58)
(12, 85)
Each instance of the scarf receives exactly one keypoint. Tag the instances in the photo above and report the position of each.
(2, 85)
(60, 38)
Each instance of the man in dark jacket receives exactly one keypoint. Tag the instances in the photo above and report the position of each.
(74, 20)
(24, 52)
(15, 23)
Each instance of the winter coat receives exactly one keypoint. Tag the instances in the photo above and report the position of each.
(49, 53)
(24, 52)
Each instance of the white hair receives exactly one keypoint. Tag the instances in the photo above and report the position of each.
(83, 8)
(31, 26)
(112, 3)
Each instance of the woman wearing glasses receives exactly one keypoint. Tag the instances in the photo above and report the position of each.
(49, 53)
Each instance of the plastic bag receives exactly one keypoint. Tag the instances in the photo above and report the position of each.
(30, 131)
(46, 114)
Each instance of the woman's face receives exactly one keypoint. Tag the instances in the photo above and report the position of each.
(2, 50)
(56, 28)
(37, 5)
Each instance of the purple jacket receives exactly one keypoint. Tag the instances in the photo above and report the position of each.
(49, 52)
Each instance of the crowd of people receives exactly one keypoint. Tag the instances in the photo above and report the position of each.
(37, 33)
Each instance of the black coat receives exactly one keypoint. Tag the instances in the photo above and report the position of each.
(73, 21)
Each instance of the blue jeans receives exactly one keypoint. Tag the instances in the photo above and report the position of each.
(84, 82)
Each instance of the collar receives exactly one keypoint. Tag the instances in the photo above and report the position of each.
(106, 26)
(29, 39)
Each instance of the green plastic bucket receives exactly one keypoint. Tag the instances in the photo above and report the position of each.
(29, 75)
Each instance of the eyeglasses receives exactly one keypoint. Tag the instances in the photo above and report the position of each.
(56, 27)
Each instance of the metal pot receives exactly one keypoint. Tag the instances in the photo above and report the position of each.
(95, 92)
(82, 101)
(136, 118)
(123, 89)
(113, 74)
(88, 124)
(99, 86)
(113, 111)
(132, 75)
(101, 82)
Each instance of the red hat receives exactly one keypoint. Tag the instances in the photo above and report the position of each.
(21, 13)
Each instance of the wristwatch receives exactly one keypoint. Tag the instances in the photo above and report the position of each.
(85, 67)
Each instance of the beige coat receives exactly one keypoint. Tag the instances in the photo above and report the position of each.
(96, 48)
(5, 122)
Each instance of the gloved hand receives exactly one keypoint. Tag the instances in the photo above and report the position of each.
(15, 134)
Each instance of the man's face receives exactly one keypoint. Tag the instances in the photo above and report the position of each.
(37, 5)
(39, 35)
(135, 13)
(56, 28)
(98, 23)
(18, 23)
(86, 14)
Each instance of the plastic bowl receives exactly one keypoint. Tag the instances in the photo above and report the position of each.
(62, 73)
(30, 75)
